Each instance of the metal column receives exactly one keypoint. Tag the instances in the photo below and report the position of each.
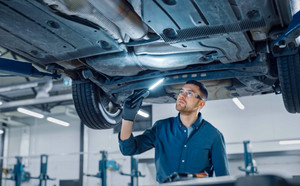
(102, 168)
(43, 171)
(1, 153)
(250, 168)
(18, 171)
(81, 156)
(134, 172)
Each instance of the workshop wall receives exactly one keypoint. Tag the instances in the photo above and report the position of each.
(264, 122)
(42, 137)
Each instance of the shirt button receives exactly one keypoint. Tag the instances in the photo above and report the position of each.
(182, 161)
(184, 130)
(184, 145)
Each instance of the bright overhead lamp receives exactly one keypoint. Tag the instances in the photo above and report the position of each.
(1, 131)
(238, 103)
(1, 102)
(144, 114)
(289, 142)
(57, 121)
(30, 113)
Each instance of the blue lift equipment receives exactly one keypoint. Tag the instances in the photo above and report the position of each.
(19, 175)
(250, 168)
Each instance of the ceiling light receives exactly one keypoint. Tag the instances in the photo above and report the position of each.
(57, 121)
(30, 113)
(289, 142)
(238, 103)
(1, 131)
(144, 114)
(1, 102)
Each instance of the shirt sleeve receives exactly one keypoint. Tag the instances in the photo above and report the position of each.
(139, 144)
(219, 156)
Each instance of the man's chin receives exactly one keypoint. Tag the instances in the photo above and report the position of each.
(179, 107)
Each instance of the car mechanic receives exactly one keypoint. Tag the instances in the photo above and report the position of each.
(184, 144)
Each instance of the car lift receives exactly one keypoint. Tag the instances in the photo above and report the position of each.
(250, 168)
(105, 164)
(285, 44)
(18, 68)
(20, 175)
(135, 173)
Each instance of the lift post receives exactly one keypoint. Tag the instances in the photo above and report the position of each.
(104, 164)
(250, 168)
(102, 167)
(43, 177)
(135, 173)
(19, 174)
(43, 171)
(18, 170)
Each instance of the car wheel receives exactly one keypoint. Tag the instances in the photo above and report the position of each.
(94, 108)
(289, 78)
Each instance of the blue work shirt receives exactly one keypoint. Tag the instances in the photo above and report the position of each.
(203, 150)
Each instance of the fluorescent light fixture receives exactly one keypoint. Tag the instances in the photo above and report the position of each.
(289, 142)
(1, 131)
(238, 103)
(57, 121)
(295, 6)
(30, 113)
(143, 113)
(156, 84)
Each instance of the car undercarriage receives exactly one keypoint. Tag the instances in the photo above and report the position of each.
(111, 49)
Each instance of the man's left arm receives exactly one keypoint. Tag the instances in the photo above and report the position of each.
(219, 156)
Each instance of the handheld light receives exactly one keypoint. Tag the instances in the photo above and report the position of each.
(145, 92)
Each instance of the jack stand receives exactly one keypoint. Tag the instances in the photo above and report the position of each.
(250, 168)
(135, 173)
(105, 164)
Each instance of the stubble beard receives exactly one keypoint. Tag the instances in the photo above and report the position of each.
(178, 107)
(182, 109)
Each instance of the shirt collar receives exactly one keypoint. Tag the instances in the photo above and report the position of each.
(195, 125)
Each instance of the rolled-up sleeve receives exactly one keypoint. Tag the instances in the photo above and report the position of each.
(139, 144)
(219, 156)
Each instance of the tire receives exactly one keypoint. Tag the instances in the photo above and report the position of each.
(289, 78)
(94, 108)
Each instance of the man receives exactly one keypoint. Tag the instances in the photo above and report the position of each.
(183, 144)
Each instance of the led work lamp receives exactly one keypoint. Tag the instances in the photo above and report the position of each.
(145, 93)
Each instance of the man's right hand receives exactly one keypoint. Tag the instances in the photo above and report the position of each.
(130, 112)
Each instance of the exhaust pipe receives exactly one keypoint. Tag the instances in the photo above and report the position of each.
(129, 64)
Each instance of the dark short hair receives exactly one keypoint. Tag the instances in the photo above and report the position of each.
(201, 87)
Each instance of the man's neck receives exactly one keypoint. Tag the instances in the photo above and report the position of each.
(188, 119)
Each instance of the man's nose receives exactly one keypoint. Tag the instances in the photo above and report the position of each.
(182, 95)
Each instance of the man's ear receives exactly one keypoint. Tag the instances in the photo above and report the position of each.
(201, 104)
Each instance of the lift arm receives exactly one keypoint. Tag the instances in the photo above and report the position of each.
(19, 68)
